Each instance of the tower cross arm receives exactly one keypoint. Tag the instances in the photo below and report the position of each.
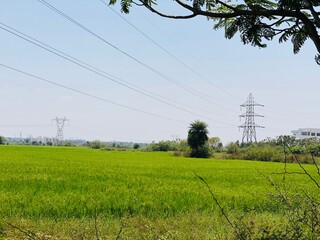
(250, 115)
(246, 104)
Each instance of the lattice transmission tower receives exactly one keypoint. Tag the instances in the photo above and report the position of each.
(249, 127)
(60, 125)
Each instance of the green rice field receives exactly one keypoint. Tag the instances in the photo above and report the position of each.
(81, 193)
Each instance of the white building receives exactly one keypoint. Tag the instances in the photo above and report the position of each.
(303, 133)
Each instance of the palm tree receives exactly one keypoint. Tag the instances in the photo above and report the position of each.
(197, 139)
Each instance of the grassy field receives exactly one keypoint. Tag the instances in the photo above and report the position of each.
(74, 193)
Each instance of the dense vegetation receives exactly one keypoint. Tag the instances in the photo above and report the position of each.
(198, 139)
(77, 192)
(281, 149)
(255, 21)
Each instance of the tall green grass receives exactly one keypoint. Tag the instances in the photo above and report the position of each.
(74, 183)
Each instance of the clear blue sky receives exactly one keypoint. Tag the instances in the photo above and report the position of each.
(287, 84)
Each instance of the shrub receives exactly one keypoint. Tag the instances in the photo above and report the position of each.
(298, 150)
(69, 144)
(232, 148)
(200, 152)
(162, 146)
(2, 140)
(96, 144)
(263, 153)
(136, 146)
(182, 149)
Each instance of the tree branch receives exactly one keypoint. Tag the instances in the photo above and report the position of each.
(165, 15)
(28, 233)
(302, 167)
(228, 6)
(314, 14)
(312, 30)
(255, 16)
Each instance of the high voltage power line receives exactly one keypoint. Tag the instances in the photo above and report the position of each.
(25, 126)
(99, 98)
(93, 69)
(192, 91)
(110, 77)
(270, 110)
(167, 52)
(90, 95)
(168, 37)
(292, 113)
(185, 50)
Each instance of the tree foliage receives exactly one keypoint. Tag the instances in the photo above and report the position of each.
(2, 140)
(215, 143)
(198, 134)
(281, 149)
(163, 146)
(255, 20)
(197, 139)
(136, 146)
(96, 144)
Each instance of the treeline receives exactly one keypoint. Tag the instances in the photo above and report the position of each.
(182, 148)
(280, 149)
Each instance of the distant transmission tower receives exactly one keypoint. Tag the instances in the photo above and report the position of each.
(60, 126)
(249, 127)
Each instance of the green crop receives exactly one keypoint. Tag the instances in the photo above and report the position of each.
(62, 184)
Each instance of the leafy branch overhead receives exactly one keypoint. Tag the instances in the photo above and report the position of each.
(254, 20)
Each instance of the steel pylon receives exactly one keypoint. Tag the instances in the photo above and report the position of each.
(249, 126)
(60, 125)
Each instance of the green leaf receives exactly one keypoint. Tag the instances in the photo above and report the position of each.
(298, 40)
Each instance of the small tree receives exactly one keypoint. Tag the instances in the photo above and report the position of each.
(215, 143)
(2, 140)
(136, 146)
(96, 144)
(197, 139)
(232, 148)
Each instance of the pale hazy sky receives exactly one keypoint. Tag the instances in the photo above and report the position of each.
(223, 71)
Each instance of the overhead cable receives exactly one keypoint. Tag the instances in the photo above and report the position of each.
(90, 95)
(192, 91)
(93, 69)
(167, 52)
